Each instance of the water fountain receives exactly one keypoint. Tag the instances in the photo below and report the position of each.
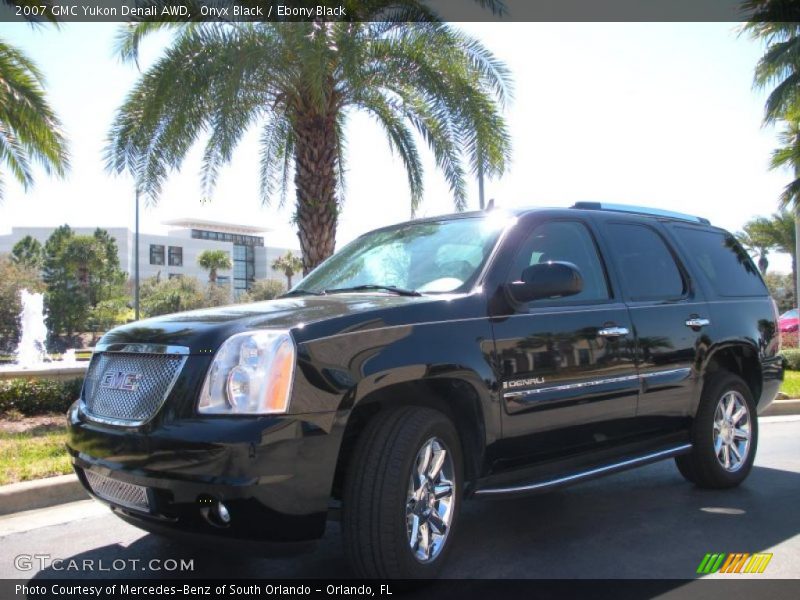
(31, 350)
(32, 361)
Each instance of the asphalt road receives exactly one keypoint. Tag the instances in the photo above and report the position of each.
(646, 523)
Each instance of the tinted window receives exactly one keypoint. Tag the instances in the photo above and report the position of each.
(567, 241)
(646, 265)
(723, 261)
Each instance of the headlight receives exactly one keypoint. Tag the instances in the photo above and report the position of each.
(251, 374)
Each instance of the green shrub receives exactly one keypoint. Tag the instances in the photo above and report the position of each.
(38, 396)
(791, 358)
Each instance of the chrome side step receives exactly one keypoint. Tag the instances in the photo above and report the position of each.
(547, 484)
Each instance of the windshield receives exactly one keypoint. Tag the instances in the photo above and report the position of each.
(429, 256)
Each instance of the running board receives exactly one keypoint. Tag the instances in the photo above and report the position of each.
(548, 484)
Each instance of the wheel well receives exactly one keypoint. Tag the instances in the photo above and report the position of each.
(740, 360)
(456, 399)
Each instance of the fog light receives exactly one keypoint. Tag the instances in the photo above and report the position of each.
(222, 513)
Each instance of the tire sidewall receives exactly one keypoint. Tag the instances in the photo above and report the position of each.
(443, 429)
(703, 430)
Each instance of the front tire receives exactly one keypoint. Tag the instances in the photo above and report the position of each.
(724, 435)
(402, 495)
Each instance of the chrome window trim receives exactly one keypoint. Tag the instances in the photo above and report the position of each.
(585, 474)
(142, 348)
(126, 423)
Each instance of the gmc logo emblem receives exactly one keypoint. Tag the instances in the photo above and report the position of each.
(120, 380)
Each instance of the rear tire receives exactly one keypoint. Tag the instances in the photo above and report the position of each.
(404, 483)
(724, 435)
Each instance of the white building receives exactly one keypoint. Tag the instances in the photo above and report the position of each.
(176, 253)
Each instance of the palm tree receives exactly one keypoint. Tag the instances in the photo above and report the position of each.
(776, 232)
(755, 243)
(213, 261)
(30, 132)
(299, 82)
(289, 264)
(777, 23)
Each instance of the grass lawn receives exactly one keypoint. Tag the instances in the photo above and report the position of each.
(33, 454)
(791, 384)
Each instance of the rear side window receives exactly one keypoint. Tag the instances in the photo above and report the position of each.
(723, 261)
(646, 265)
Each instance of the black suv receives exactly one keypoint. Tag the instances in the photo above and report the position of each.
(475, 355)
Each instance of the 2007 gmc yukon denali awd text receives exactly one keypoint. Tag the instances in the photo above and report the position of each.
(472, 356)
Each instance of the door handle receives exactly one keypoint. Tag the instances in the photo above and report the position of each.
(613, 331)
(697, 322)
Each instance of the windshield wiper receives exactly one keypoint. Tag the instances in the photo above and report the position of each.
(372, 286)
(301, 292)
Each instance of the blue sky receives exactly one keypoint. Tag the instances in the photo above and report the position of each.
(654, 114)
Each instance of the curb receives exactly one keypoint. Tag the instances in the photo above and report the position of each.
(782, 407)
(40, 493)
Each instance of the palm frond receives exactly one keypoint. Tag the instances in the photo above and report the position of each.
(30, 131)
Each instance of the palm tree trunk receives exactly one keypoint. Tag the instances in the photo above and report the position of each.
(316, 157)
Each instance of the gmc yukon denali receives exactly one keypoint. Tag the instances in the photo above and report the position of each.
(480, 355)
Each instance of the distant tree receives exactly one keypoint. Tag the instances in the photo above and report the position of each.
(14, 277)
(777, 231)
(213, 261)
(67, 309)
(781, 289)
(28, 251)
(85, 285)
(217, 295)
(30, 132)
(289, 264)
(265, 289)
(172, 295)
(757, 243)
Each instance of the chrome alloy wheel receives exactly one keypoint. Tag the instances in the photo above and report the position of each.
(732, 431)
(430, 501)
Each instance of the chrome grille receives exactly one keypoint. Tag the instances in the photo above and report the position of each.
(149, 377)
(118, 492)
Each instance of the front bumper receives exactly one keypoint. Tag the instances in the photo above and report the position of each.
(273, 473)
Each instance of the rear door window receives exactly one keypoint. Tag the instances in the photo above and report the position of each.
(647, 267)
(723, 261)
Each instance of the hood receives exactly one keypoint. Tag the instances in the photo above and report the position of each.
(309, 317)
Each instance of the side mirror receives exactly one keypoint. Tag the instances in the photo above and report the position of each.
(555, 279)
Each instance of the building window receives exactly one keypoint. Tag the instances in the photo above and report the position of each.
(223, 280)
(219, 236)
(156, 254)
(175, 275)
(244, 268)
(175, 256)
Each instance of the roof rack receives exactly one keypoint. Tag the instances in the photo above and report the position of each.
(640, 210)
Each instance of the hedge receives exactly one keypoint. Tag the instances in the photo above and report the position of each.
(791, 358)
(38, 396)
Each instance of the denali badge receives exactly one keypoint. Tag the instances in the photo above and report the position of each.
(522, 382)
(120, 380)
